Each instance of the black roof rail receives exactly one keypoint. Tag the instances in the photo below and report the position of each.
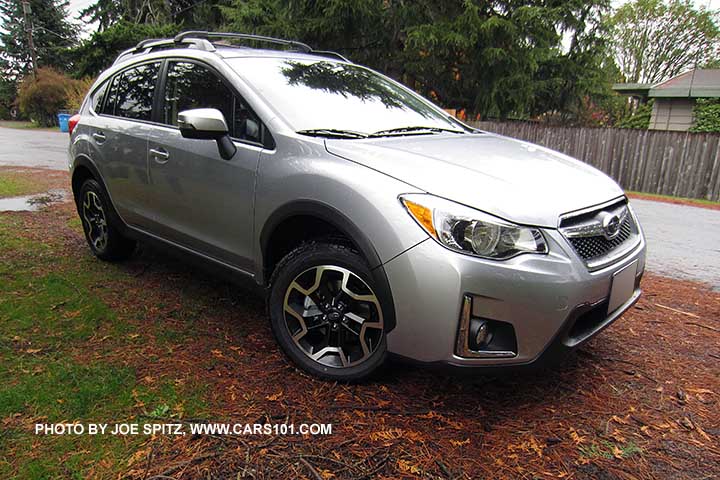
(159, 43)
(327, 53)
(201, 41)
(243, 36)
(303, 47)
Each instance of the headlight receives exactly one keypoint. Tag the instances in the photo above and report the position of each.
(470, 231)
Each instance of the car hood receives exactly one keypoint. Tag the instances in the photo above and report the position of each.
(515, 180)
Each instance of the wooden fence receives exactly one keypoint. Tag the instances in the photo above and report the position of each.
(670, 163)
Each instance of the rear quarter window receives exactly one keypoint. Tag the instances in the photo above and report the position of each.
(97, 98)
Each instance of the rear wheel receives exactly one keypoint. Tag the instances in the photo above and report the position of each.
(325, 312)
(102, 235)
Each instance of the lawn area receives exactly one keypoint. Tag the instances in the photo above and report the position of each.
(60, 355)
(153, 339)
(15, 181)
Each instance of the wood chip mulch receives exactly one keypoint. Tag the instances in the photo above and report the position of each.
(639, 401)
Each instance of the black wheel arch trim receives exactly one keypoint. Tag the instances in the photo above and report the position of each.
(85, 162)
(342, 223)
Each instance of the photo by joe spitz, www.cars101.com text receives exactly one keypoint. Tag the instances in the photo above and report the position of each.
(376, 223)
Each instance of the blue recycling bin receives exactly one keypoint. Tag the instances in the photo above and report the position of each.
(63, 121)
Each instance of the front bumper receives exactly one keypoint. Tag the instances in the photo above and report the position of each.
(553, 301)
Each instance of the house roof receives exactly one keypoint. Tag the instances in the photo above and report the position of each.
(700, 83)
(636, 89)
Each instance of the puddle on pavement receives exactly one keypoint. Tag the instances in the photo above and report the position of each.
(31, 203)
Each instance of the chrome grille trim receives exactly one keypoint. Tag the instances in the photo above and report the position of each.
(595, 228)
(596, 242)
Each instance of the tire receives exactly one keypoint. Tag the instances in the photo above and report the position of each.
(99, 222)
(332, 307)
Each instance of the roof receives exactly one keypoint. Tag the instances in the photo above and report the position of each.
(638, 89)
(695, 83)
(698, 83)
(232, 51)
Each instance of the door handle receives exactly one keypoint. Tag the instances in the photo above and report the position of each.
(159, 154)
(99, 137)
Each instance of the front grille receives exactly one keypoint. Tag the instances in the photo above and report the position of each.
(590, 248)
(602, 235)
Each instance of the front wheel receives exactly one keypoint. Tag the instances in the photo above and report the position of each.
(325, 312)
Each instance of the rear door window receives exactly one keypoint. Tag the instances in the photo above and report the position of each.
(132, 92)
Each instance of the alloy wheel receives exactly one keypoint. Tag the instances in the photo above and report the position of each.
(95, 220)
(333, 316)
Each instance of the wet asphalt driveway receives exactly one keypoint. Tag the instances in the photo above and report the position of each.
(683, 242)
(33, 148)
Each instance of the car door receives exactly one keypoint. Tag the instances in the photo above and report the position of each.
(201, 201)
(119, 138)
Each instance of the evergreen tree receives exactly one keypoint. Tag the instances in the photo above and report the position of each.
(197, 14)
(497, 58)
(100, 50)
(52, 34)
(104, 12)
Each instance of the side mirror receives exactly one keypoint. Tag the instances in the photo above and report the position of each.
(207, 124)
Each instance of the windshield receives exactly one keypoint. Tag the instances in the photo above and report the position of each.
(316, 96)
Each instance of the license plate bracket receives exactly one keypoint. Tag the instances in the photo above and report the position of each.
(622, 286)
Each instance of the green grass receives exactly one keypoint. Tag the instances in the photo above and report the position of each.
(607, 450)
(658, 196)
(14, 186)
(62, 360)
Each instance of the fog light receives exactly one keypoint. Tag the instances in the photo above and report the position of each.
(480, 333)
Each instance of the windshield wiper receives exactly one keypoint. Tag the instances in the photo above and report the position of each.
(332, 132)
(413, 130)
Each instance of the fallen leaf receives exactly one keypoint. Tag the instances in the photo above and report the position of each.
(576, 437)
(140, 454)
(407, 467)
(617, 453)
(700, 390)
(617, 419)
(459, 443)
(391, 434)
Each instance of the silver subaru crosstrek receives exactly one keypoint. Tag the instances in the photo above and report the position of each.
(375, 222)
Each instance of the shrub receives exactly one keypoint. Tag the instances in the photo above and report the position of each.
(42, 97)
(7, 97)
(77, 91)
(640, 119)
(707, 115)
